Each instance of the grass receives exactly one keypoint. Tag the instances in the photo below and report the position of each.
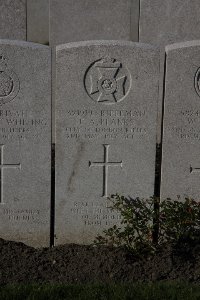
(137, 291)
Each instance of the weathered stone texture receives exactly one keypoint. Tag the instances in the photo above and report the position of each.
(181, 136)
(38, 21)
(25, 142)
(78, 20)
(13, 19)
(106, 109)
(166, 22)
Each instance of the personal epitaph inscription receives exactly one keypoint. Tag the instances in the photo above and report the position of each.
(107, 81)
(25, 142)
(2, 167)
(105, 164)
(105, 132)
(181, 130)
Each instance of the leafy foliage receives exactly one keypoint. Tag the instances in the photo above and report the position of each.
(179, 221)
(135, 232)
(147, 224)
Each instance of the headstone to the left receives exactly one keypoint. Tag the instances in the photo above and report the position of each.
(13, 19)
(25, 142)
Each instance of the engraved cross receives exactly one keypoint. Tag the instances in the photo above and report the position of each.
(2, 167)
(105, 164)
(194, 170)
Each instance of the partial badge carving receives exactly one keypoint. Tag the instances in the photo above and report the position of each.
(9, 82)
(197, 82)
(107, 81)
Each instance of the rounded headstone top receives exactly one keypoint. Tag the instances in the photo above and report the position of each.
(105, 43)
(188, 44)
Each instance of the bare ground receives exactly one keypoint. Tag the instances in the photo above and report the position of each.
(80, 264)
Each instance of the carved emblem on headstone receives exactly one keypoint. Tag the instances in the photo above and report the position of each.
(107, 81)
(197, 82)
(9, 82)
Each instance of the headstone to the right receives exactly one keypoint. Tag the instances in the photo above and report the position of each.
(13, 19)
(181, 135)
(165, 22)
(78, 20)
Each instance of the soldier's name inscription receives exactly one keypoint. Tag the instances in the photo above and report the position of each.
(91, 124)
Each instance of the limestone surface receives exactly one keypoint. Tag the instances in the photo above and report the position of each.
(38, 21)
(170, 21)
(25, 142)
(13, 19)
(106, 109)
(78, 20)
(181, 135)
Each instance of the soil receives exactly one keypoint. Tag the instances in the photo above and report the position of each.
(90, 264)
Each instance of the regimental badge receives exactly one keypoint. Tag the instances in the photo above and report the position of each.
(197, 82)
(107, 81)
(9, 82)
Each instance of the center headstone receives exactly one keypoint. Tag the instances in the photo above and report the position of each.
(25, 142)
(106, 109)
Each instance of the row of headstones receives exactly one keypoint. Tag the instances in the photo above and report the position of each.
(107, 94)
(61, 21)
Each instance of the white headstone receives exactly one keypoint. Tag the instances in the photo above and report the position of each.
(106, 109)
(181, 135)
(25, 142)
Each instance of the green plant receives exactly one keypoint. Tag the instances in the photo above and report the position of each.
(179, 221)
(147, 224)
(136, 230)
